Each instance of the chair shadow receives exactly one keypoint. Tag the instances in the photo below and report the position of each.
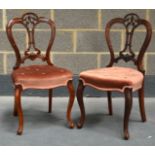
(111, 125)
(33, 119)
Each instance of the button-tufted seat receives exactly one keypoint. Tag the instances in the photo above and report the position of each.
(41, 76)
(113, 78)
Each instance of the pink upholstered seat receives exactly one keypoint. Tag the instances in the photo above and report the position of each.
(41, 76)
(113, 78)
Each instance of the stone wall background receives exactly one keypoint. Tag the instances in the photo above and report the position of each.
(80, 42)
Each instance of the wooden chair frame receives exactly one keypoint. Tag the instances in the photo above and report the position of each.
(30, 21)
(130, 22)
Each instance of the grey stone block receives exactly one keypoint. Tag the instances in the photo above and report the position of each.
(19, 12)
(104, 60)
(1, 19)
(63, 41)
(150, 64)
(76, 18)
(11, 60)
(137, 42)
(95, 41)
(109, 14)
(138, 39)
(1, 64)
(152, 19)
(20, 38)
(75, 62)
(151, 47)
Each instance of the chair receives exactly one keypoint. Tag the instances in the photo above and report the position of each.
(115, 78)
(38, 76)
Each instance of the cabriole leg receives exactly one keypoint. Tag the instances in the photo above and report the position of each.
(18, 91)
(81, 104)
(70, 103)
(128, 106)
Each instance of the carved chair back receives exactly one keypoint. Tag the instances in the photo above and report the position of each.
(30, 21)
(130, 22)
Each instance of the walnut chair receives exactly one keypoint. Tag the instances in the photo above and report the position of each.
(115, 78)
(40, 76)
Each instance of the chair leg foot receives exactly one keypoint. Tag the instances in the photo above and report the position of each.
(70, 103)
(19, 131)
(128, 107)
(80, 125)
(126, 135)
(71, 125)
(81, 104)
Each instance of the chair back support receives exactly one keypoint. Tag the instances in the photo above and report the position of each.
(130, 22)
(30, 21)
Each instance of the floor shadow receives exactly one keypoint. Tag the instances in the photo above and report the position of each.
(107, 124)
(33, 119)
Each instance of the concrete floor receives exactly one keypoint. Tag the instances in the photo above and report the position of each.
(101, 129)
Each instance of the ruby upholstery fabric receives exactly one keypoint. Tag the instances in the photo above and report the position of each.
(41, 76)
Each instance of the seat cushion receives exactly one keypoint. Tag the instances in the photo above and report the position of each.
(41, 76)
(113, 78)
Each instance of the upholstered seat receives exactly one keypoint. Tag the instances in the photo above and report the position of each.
(41, 76)
(113, 78)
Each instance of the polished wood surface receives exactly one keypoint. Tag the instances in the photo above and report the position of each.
(127, 111)
(109, 103)
(18, 91)
(50, 95)
(70, 103)
(130, 22)
(30, 21)
(79, 95)
(141, 103)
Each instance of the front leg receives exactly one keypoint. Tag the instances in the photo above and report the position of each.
(50, 95)
(18, 90)
(70, 103)
(128, 107)
(81, 104)
(15, 108)
(109, 103)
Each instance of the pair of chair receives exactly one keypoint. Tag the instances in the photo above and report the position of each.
(110, 78)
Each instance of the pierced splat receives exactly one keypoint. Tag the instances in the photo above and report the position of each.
(130, 22)
(30, 21)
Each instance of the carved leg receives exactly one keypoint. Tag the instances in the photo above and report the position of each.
(50, 94)
(18, 91)
(15, 108)
(141, 104)
(81, 104)
(109, 103)
(70, 103)
(128, 106)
